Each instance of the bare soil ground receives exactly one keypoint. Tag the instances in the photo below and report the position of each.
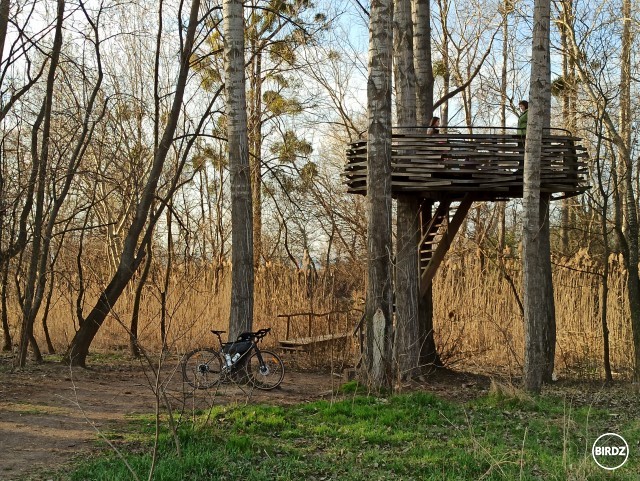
(51, 415)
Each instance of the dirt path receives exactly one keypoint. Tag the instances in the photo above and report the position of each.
(49, 414)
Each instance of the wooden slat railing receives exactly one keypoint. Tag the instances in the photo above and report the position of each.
(487, 163)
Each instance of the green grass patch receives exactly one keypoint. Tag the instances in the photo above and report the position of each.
(407, 437)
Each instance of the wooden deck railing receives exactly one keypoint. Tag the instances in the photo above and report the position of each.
(487, 163)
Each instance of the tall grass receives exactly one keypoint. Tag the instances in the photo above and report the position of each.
(476, 315)
(477, 318)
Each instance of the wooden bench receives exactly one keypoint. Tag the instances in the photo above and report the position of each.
(304, 338)
(305, 343)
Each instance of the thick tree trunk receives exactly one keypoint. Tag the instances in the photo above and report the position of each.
(630, 208)
(538, 303)
(407, 286)
(133, 255)
(241, 315)
(421, 13)
(379, 244)
(428, 355)
(407, 276)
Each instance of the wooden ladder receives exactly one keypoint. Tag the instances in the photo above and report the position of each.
(438, 233)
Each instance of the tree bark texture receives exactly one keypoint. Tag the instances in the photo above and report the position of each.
(421, 13)
(379, 242)
(241, 315)
(407, 275)
(538, 303)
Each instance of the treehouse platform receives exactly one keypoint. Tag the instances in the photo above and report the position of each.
(455, 169)
(485, 164)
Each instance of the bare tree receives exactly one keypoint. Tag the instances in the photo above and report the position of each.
(134, 250)
(40, 158)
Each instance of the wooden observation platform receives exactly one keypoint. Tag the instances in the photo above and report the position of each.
(455, 169)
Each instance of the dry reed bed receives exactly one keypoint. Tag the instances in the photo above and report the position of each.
(476, 316)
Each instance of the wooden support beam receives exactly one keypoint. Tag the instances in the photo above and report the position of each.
(444, 244)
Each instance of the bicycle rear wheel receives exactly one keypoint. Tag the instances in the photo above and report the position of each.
(201, 368)
(267, 374)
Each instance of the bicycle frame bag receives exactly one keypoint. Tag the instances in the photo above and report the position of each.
(237, 347)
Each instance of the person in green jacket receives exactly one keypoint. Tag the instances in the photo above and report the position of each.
(522, 119)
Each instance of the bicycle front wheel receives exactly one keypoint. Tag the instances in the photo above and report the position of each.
(265, 370)
(201, 368)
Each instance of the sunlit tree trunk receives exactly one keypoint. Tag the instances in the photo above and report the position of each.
(241, 315)
(407, 286)
(378, 309)
(421, 13)
(538, 306)
(446, 62)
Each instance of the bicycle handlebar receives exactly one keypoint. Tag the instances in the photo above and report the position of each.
(254, 336)
(258, 335)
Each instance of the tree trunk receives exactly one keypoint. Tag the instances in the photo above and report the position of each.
(538, 305)
(132, 255)
(421, 13)
(604, 302)
(379, 244)
(630, 208)
(45, 315)
(165, 285)
(241, 315)
(507, 8)
(255, 153)
(407, 285)
(134, 347)
(4, 23)
(6, 345)
(30, 307)
(446, 70)
(428, 355)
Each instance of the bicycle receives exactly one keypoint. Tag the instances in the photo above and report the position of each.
(239, 360)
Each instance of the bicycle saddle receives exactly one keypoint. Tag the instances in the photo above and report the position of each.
(218, 332)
